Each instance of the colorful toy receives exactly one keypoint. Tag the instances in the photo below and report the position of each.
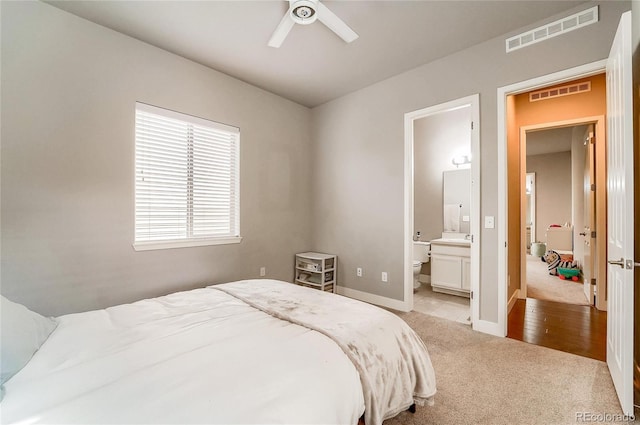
(565, 273)
(562, 266)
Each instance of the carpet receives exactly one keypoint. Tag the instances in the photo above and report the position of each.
(542, 286)
(482, 379)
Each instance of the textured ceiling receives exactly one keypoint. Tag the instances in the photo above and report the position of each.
(313, 65)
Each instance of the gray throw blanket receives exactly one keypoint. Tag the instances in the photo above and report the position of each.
(393, 363)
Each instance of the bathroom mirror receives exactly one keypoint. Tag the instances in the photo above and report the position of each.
(456, 200)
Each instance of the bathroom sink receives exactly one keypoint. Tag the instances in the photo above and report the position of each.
(452, 241)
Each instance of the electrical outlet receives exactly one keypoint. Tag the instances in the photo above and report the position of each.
(359, 272)
(489, 222)
(385, 278)
(263, 271)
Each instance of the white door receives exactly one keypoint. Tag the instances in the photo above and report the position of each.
(589, 215)
(620, 215)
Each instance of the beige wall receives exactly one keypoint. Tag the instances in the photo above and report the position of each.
(66, 140)
(553, 189)
(358, 145)
(437, 139)
(69, 89)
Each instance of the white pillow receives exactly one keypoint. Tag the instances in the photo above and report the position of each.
(23, 332)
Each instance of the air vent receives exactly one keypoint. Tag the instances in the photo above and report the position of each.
(560, 91)
(561, 26)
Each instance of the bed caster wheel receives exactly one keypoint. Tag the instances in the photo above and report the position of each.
(412, 408)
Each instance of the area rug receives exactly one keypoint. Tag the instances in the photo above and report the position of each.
(482, 379)
(542, 286)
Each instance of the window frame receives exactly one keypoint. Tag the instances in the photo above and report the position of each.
(141, 245)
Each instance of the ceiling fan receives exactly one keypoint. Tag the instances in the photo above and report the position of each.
(306, 12)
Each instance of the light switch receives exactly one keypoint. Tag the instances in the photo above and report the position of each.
(465, 218)
(489, 222)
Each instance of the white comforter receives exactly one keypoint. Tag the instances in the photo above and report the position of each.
(393, 363)
(205, 356)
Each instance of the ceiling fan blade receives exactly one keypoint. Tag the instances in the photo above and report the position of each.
(335, 24)
(281, 31)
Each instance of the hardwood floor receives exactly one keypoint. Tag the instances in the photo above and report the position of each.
(576, 329)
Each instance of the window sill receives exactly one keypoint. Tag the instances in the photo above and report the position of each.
(185, 243)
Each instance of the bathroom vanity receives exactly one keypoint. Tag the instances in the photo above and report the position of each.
(451, 266)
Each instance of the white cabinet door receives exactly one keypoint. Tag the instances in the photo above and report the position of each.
(466, 273)
(446, 271)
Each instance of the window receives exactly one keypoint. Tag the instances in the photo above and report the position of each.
(187, 180)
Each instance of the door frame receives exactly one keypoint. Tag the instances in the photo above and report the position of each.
(534, 227)
(474, 102)
(599, 122)
(575, 73)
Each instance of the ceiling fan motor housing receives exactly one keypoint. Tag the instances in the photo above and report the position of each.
(303, 11)
(306, 12)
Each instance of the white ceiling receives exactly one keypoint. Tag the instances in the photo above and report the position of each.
(313, 65)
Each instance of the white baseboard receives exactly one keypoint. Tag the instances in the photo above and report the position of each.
(373, 299)
(491, 328)
(512, 300)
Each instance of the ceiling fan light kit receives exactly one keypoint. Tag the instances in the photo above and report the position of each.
(305, 12)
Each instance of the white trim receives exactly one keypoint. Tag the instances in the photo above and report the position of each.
(491, 328)
(512, 300)
(408, 212)
(534, 229)
(516, 88)
(185, 243)
(474, 102)
(475, 210)
(372, 298)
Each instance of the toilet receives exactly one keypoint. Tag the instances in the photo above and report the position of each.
(420, 256)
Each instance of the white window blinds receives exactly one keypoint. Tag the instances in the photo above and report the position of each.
(187, 180)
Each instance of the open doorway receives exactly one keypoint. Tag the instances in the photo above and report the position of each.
(442, 199)
(558, 275)
(559, 212)
(442, 209)
(552, 206)
(539, 123)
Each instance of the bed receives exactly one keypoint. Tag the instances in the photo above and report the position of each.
(246, 352)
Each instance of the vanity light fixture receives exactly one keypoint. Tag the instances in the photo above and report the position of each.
(461, 160)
